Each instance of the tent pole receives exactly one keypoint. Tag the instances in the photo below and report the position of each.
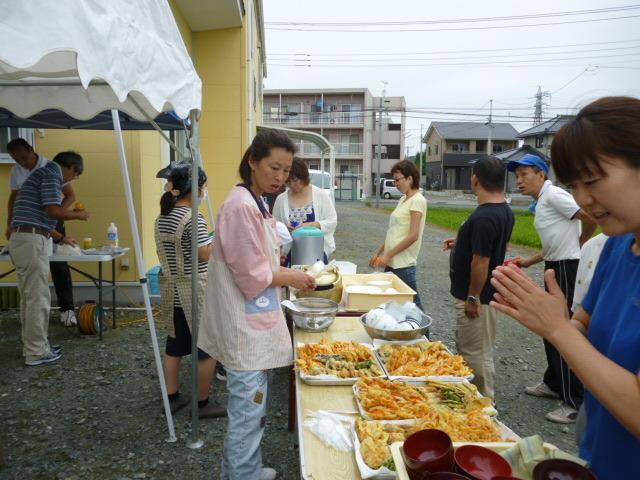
(194, 440)
(157, 127)
(141, 271)
(193, 139)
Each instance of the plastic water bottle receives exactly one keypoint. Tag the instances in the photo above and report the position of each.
(112, 235)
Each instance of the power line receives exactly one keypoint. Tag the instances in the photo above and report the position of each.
(453, 51)
(465, 20)
(495, 27)
(297, 59)
(508, 63)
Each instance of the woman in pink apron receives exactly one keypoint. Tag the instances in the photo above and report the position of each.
(173, 236)
(242, 324)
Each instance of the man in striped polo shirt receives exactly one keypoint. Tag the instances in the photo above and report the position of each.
(27, 160)
(37, 208)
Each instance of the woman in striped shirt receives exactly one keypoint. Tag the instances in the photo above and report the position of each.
(173, 235)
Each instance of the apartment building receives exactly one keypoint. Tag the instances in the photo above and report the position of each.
(348, 119)
(450, 146)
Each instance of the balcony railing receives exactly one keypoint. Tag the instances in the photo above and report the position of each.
(343, 149)
(326, 118)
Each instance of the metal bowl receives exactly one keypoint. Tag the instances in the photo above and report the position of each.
(399, 335)
(315, 315)
(331, 291)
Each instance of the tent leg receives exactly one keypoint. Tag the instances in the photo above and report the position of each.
(142, 272)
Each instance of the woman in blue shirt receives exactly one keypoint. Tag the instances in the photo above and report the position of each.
(597, 155)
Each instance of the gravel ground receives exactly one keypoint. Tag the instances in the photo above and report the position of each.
(96, 413)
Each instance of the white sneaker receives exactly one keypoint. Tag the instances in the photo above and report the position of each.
(68, 318)
(541, 390)
(563, 414)
(268, 474)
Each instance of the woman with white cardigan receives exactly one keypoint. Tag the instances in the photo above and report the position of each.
(305, 205)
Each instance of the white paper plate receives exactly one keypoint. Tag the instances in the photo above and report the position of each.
(365, 470)
(363, 289)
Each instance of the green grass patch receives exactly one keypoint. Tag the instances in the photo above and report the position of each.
(523, 232)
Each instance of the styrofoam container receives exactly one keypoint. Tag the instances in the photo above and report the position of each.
(363, 302)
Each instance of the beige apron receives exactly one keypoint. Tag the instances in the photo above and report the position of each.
(181, 282)
(243, 334)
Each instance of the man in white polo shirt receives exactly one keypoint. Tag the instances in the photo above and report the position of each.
(27, 161)
(558, 223)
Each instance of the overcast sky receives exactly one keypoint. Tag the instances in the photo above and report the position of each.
(448, 64)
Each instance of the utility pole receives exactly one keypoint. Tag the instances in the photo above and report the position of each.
(420, 161)
(489, 147)
(378, 176)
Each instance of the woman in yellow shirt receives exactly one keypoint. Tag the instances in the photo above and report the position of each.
(399, 251)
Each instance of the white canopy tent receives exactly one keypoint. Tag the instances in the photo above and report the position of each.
(65, 61)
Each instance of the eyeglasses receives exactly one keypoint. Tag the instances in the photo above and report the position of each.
(396, 180)
(291, 181)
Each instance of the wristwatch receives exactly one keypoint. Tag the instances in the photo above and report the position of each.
(472, 299)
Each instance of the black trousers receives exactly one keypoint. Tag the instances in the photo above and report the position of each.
(558, 377)
(61, 276)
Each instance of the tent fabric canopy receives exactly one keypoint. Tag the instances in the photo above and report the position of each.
(53, 118)
(84, 58)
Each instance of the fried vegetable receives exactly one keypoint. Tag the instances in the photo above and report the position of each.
(390, 464)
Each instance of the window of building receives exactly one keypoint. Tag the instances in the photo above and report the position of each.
(8, 134)
(351, 113)
(458, 147)
(393, 151)
(437, 149)
(349, 145)
(395, 126)
(498, 148)
(539, 141)
(349, 169)
(429, 150)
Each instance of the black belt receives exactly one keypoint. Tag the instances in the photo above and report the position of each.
(27, 229)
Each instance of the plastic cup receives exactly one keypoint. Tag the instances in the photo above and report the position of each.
(79, 206)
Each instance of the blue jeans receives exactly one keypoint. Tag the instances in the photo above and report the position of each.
(408, 276)
(247, 410)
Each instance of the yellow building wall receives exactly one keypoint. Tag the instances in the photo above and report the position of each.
(218, 60)
(101, 189)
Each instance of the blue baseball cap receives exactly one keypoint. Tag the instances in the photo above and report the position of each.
(528, 160)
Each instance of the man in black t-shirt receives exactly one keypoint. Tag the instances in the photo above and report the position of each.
(479, 248)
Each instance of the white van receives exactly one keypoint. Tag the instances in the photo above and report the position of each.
(321, 180)
(388, 188)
